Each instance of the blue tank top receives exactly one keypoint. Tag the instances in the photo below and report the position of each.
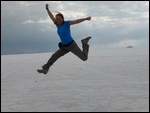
(63, 31)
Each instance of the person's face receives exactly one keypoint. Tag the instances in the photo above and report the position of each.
(59, 20)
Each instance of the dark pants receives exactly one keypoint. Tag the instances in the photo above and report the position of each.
(73, 47)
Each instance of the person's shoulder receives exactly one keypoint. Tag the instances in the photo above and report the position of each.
(67, 22)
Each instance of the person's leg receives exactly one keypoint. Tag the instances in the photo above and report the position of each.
(54, 57)
(83, 55)
(85, 50)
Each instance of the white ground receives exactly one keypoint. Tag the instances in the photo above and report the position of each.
(111, 80)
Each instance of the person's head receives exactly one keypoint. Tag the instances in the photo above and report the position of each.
(59, 19)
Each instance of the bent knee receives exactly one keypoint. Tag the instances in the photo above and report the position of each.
(85, 59)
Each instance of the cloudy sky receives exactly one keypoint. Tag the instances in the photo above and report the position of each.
(26, 27)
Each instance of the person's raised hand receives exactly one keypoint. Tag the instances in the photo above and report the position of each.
(88, 18)
(46, 6)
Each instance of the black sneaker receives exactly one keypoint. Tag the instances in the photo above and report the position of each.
(44, 71)
(86, 40)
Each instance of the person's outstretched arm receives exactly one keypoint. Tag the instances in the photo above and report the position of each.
(50, 14)
(79, 20)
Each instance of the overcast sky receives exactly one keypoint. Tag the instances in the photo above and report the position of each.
(26, 27)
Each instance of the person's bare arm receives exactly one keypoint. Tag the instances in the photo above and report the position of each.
(79, 20)
(50, 14)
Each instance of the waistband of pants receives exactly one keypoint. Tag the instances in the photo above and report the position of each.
(65, 45)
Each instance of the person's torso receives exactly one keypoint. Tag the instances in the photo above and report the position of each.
(64, 32)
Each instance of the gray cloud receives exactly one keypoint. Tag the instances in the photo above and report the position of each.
(26, 27)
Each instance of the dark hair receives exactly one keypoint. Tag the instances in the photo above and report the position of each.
(61, 15)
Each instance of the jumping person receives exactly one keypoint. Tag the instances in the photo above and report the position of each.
(67, 43)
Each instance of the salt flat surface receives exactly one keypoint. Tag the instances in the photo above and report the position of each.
(112, 80)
